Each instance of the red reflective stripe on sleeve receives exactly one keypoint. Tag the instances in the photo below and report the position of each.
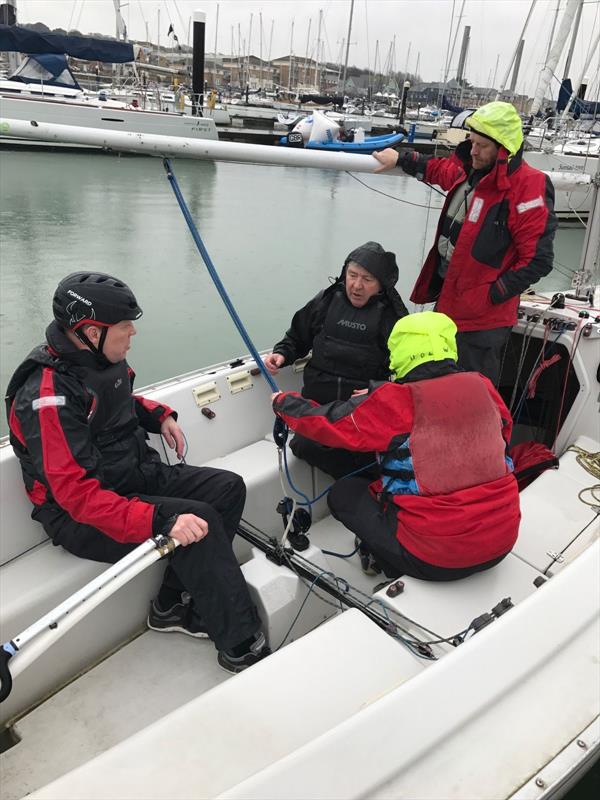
(151, 405)
(80, 496)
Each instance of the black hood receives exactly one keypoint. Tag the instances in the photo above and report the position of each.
(381, 264)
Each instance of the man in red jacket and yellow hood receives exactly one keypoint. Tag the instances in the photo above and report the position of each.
(446, 503)
(494, 237)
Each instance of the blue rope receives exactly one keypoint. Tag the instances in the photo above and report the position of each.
(215, 276)
(234, 316)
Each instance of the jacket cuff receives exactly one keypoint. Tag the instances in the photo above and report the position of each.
(162, 522)
(498, 293)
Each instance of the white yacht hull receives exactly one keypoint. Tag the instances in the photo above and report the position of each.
(568, 204)
(89, 115)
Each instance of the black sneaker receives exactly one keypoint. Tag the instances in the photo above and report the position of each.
(180, 618)
(235, 664)
(367, 561)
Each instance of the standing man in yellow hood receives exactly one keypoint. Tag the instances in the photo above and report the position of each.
(494, 237)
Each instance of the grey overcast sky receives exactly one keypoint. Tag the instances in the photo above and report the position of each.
(421, 28)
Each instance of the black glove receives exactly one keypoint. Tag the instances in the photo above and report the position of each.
(409, 162)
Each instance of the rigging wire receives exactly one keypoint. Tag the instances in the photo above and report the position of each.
(392, 197)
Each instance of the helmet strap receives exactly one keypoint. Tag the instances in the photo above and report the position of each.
(84, 339)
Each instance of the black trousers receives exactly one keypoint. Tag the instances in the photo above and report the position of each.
(351, 503)
(332, 460)
(208, 569)
(481, 351)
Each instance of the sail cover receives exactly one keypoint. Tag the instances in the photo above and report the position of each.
(14, 38)
(48, 69)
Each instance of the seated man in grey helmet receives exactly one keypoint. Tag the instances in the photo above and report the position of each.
(347, 327)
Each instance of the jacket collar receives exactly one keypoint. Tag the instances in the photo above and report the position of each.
(430, 369)
(504, 168)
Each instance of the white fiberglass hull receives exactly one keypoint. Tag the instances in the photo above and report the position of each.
(567, 203)
(86, 115)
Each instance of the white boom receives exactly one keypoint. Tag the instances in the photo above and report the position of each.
(207, 149)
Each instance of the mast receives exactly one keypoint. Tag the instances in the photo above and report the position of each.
(260, 38)
(407, 60)
(339, 75)
(317, 81)
(215, 58)
(515, 75)
(240, 59)
(306, 55)
(343, 92)
(514, 55)
(269, 55)
(450, 52)
(495, 73)
(463, 53)
(248, 53)
(555, 52)
(291, 67)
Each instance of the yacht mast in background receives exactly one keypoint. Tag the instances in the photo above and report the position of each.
(343, 90)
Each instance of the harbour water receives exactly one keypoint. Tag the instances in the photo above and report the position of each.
(275, 235)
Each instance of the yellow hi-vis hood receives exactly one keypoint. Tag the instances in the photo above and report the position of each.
(500, 122)
(418, 338)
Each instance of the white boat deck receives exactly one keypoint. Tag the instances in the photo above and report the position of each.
(180, 720)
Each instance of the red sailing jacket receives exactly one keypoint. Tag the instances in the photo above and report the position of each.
(505, 243)
(78, 432)
(457, 500)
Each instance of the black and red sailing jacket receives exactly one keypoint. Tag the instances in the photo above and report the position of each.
(441, 445)
(505, 243)
(80, 435)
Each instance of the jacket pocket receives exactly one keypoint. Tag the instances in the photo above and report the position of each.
(493, 239)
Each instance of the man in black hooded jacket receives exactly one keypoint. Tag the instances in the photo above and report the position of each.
(347, 327)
